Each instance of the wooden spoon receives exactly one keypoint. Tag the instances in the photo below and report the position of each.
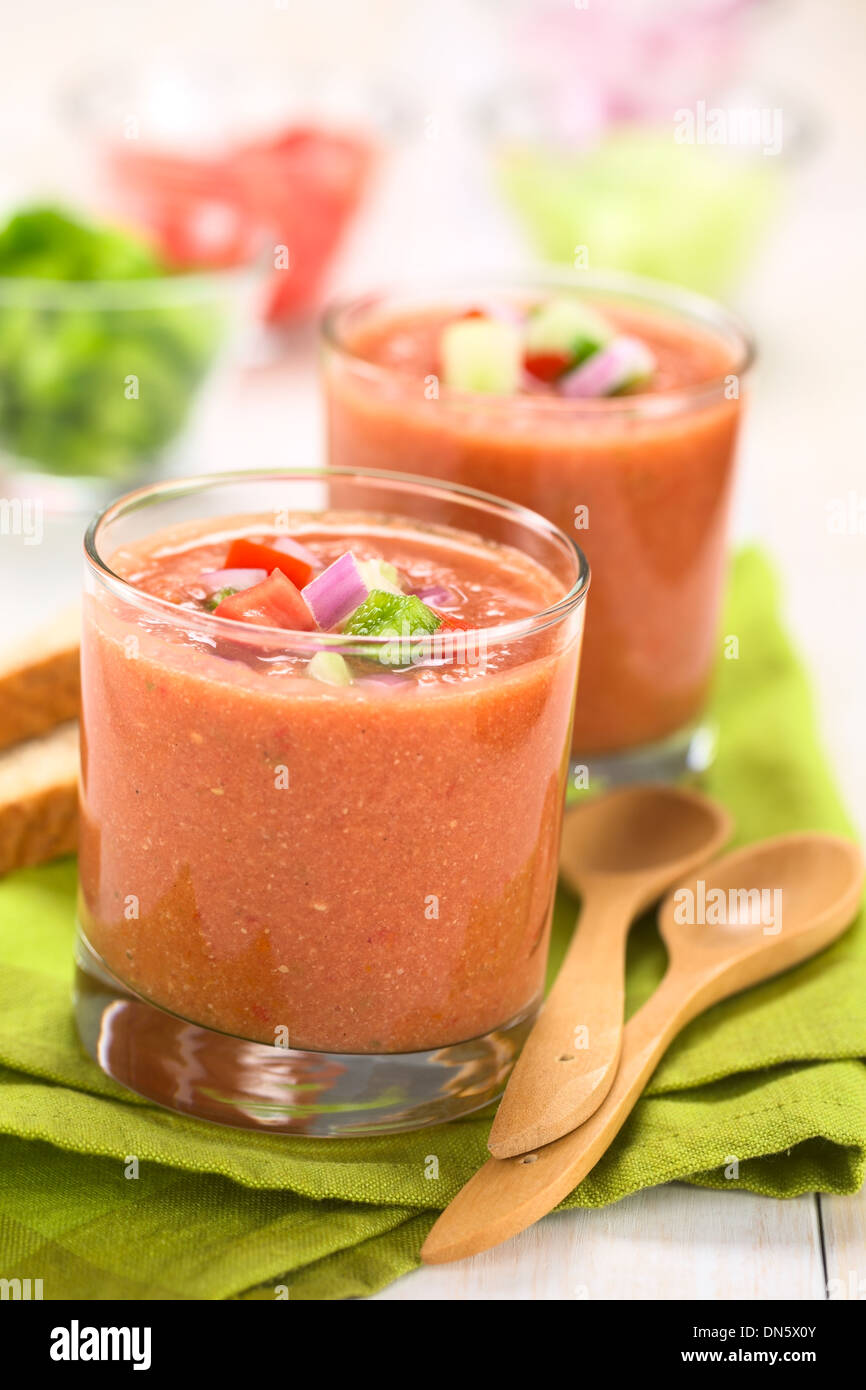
(820, 879)
(619, 852)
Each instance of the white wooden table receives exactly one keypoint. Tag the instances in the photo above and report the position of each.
(804, 449)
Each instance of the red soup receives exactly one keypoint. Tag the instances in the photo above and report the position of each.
(622, 433)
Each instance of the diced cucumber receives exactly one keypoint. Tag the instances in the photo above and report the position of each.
(566, 325)
(378, 574)
(386, 614)
(330, 668)
(482, 355)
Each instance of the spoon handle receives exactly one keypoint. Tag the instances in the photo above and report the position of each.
(507, 1195)
(569, 1060)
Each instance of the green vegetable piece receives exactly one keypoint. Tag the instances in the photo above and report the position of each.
(402, 617)
(566, 325)
(393, 615)
(330, 668)
(48, 243)
(216, 599)
(482, 355)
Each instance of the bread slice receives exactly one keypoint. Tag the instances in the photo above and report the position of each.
(39, 680)
(39, 799)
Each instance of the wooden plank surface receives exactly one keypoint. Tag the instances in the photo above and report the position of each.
(674, 1242)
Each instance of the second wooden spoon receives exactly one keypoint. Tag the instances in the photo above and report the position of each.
(819, 880)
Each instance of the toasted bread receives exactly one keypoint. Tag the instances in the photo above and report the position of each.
(39, 680)
(39, 799)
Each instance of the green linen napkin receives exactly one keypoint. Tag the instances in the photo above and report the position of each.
(772, 1077)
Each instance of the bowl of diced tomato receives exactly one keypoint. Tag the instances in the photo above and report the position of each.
(217, 164)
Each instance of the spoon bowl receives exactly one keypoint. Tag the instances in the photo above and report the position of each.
(643, 835)
(763, 908)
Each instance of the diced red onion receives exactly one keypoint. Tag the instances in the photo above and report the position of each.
(214, 580)
(289, 546)
(336, 592)
(622, 362)
(436, 596)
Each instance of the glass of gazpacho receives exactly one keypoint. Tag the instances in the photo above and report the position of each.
(325, 728)
(609, 404)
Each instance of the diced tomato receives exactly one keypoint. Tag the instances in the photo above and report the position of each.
(451, 623)
(546, 366)
(299, 187)
(245, 554)
(273, 603)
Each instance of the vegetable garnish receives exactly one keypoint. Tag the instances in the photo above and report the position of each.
(624, 363)
(336, 592)
(393, 615)
(247, 554)
(565, 326)
(361, 598)
(273, 603)
(402, 617)
(482, 355)
(216, 599)
(561, 343)
(379, 574)
(330, 668)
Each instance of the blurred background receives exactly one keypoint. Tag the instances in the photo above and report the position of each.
(259, 155)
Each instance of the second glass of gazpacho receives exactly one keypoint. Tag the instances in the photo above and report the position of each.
(609, 404)
(325, 733)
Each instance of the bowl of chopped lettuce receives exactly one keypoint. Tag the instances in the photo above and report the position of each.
(104, 352)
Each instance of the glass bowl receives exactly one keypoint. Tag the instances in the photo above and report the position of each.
(100, 381)
(216, 163)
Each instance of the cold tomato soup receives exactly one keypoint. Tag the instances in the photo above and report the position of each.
(357, 848)
(622, 433)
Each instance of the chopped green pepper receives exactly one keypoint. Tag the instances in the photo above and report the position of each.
(386, 614)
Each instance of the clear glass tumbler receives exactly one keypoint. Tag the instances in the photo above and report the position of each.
(306, 908)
